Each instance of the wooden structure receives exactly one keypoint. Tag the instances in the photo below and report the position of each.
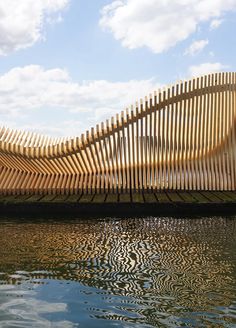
(180, 138)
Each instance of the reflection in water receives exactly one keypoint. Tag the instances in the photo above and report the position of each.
(161, 272)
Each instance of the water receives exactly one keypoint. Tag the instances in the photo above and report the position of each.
(152, 272)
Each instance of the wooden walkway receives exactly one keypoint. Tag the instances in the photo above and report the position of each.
(146, 203)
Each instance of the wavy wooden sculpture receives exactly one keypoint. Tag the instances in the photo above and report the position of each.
(182, 137)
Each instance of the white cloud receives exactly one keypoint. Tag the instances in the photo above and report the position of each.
(22, 21)
(215, 23)
(157, 24)
(63, 106)
(196, 47)
(206, 68)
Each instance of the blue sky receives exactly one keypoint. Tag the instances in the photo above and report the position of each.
(66, 65)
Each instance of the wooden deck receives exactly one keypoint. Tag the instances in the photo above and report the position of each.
(147, 203)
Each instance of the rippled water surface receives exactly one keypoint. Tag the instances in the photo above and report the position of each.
(153, 272)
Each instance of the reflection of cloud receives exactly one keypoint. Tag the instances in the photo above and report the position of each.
(26, 312)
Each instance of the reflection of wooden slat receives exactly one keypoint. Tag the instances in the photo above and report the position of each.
(181, 138)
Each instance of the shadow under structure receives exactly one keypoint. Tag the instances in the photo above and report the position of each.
(182, 137)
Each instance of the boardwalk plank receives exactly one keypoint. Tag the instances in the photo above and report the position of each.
(174, 197)
(199, 197)
(10, 198)
(112, 198)
(6, 198)
(223, 196)
(203, 197)
(73, 199)
(86, 198)
(60, 199)
(20, 199)
(137, 198)
(162, 197)
(99, 198)
(187, 197)
(124, 198)
(231, 194)
(47, 198)
(149, 198)
(211, 196)
(34, 198)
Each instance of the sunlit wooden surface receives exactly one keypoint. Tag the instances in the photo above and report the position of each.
(182, 137)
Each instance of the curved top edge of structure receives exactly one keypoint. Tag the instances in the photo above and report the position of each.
(32, 145)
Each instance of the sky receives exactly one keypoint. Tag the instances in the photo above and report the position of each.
(67, 65)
